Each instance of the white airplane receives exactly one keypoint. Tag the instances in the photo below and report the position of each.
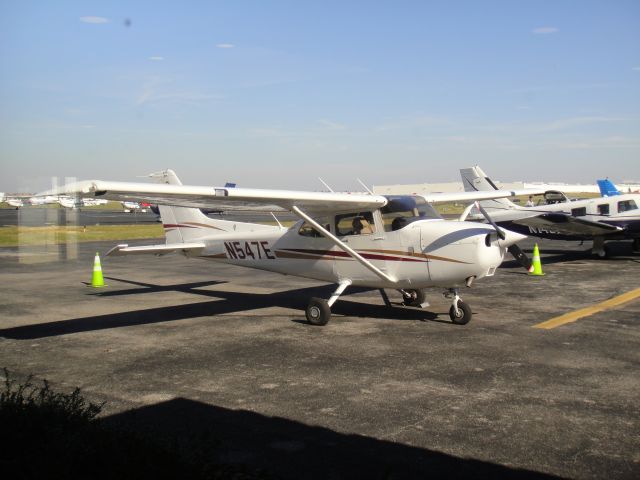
(130, 206)
(599, 219)
(14, 201)
(376, 241)
(77, 202)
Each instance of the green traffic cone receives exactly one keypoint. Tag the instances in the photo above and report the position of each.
(97, 280)
(536, 265)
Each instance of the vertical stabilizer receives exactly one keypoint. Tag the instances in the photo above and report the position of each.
(187, 224)
(475, 180)
(607, 188)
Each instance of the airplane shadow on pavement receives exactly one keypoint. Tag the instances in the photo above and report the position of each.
(290, 449)
(223, 302)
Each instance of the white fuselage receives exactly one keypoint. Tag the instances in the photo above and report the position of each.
(423, 254)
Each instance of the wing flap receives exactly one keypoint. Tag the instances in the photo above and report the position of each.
(163, 249)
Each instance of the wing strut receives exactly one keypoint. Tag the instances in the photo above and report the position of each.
(343, 246)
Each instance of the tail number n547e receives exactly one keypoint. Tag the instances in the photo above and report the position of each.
(248, 250)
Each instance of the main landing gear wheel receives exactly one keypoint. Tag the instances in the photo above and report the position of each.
(413, 298)
(463, 316)
(318, 311)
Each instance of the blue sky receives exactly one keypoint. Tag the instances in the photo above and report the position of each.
(275, 94)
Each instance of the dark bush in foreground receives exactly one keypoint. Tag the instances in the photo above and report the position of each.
(45, 434)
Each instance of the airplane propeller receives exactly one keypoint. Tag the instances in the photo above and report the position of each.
(514, 249)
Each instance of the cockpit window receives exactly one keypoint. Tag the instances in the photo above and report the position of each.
(307, 230)
(401, 210)
(360, 223)
(627, 205)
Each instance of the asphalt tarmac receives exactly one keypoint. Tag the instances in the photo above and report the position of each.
(182, 347)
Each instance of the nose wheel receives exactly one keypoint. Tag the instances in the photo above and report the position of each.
(460, 312)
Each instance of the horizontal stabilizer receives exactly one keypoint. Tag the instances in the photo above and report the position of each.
(163, 249)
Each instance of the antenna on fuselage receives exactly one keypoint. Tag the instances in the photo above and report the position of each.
(325, 184)
(365, 187)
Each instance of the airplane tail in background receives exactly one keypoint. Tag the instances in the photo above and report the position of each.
(186, 224)
(607, 188)
(475, 180)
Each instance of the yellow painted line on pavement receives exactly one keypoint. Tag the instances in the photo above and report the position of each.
(585, 312)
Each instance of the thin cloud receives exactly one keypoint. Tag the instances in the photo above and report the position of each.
(93, 19)
(545, 30)
(225, 45)
(636, 68)
(156, 59)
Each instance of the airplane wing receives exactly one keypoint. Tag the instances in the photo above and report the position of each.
(568, 225)
(247, 198)
(475, 195)
(224, 198)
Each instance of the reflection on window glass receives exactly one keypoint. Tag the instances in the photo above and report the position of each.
(603, 209)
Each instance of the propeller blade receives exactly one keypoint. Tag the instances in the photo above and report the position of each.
(498, 230)
(520, 256)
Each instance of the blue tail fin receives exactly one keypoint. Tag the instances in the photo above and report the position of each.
(607, 188)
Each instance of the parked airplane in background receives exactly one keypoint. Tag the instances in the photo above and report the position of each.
(598, 219)
(130, 206)
(377, 241)
(14, 201)
(77, 202)
(607, 188)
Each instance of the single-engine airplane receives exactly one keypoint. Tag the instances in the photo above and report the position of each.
(599, 219)
(376, 241)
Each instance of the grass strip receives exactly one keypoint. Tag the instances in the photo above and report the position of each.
(13, 236)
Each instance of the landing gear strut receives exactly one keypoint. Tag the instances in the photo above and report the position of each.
(600, 248)
(460, 312)
(319, 310)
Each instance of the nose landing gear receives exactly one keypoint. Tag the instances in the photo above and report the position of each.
(460, 312)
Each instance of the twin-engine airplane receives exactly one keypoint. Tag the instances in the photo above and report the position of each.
(616, 217)
(396, 242)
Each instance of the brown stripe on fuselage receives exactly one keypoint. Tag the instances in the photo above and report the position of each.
(306, 256)
(417, 255)
(341, 255)
(217, 255)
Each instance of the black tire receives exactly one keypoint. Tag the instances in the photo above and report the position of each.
(318, 312)
(415, 298)
(463, 319)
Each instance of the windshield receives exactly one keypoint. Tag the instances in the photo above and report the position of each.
(405, 209)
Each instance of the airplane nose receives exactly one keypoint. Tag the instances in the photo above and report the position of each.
(510, 238)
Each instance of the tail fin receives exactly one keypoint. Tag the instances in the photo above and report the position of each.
(475, 180)
(186, 224)
(607, 188)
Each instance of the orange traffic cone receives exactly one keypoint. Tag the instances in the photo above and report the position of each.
(97, 280)
(536, 265)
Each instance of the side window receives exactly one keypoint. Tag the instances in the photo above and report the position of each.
(307, 230)
(603, 209)
(627, 205)
(579, 212)
(360, 223)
